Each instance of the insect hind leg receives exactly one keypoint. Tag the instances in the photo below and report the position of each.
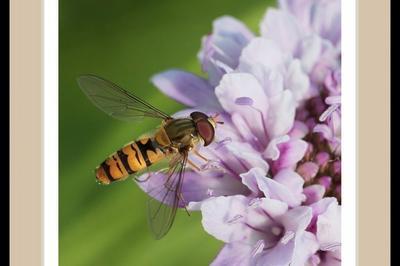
(142, 180)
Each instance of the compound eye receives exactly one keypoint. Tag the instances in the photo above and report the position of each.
(198, 116)
(206, 131)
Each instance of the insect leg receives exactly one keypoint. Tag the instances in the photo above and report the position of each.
(143, 180)
(199, 155)
(193, 165)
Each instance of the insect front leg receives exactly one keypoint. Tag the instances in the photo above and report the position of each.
(192, 164)
(176, 157)
(196, 152)
(194, 149)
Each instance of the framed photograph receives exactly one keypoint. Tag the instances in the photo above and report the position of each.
(199, 132)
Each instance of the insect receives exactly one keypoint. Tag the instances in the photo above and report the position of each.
(174, 139)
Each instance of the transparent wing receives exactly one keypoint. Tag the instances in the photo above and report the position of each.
(116, 101)
(165, 199)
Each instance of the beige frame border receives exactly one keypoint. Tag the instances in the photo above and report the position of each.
(26, 132)
(373, 132)
(26, 116)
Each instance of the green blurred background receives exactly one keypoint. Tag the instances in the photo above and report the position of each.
(126, 41)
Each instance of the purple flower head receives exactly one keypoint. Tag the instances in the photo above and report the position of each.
(270, 187)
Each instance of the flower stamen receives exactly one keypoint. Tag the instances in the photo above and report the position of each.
(235, 219)
(287, 237)
(259, 247)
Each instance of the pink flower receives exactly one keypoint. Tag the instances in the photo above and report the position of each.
(271, 188)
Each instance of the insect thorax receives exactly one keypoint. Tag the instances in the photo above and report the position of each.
(182, 132)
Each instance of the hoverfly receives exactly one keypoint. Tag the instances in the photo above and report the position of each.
(173, 140)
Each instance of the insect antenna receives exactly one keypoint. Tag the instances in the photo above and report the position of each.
(215, 119)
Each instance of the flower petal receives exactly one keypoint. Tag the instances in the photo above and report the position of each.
(196, 187)
(332, 258)
(322, 205)
(272, 82)
(326, 20)
(186, 88)
(297, 219)
(281, 27)
(223, 218)
(235, 254)
(243, 128)
(237, 85)
(274, 208)
(247, 156)
(274, 190)
(318, 57)
(232, 36)
(297, 81)
(286, 185)
(292, 181)
(305, 246)
(226, 132)
(301, 9)
(329, 227)
(321, 17)
(217, 214)
(279, 255)
(272, 151)
(281, 114)
(235, 157)
(221, 50)
(290, 153)
(234, 28)
(261, 52)
(311, 48)
(250, 179)
(225, 161)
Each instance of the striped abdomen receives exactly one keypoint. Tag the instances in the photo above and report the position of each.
(130, 159)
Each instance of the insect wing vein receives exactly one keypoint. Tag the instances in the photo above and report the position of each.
(116, 101)
(164, 200)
